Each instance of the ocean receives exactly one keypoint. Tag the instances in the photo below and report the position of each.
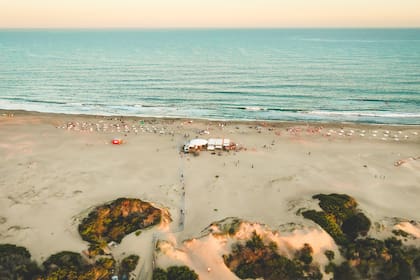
(344, 75)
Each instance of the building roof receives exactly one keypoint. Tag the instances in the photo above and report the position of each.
(212, 142)
(219, 142)
(197, 142)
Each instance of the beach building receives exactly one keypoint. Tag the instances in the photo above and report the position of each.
(209, 145)
(226, 144)
(218, 144)
(196, 145)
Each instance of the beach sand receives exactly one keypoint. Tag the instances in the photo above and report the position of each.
(55, 167)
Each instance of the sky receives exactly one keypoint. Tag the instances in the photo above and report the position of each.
(208, 13)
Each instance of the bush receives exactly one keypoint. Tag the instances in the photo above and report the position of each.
(328, 223)
(181, 273)
(400, 232)
(159, 274)
(340, 205)
(329, 254)
(305, 254)
(95, 250)
(71, 266)
(373, 258)
(174, 273)
(344, 272)
(113, 221)
(129, 263)
(65, 259)
(255, 242)
(340, 217)
(355, 225)
(417, 264)
(15, 263)
(256, 259)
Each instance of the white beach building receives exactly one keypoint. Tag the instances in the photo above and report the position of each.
(218, 144)
(195, 145)
(210, 145)
(226, 143)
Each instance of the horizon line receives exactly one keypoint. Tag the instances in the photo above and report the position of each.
(209, 28)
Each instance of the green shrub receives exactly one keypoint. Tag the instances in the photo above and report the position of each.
(181, 273)
(356, 225)
(256, 259)
(344, 272)
(328, 223)
(129, 263)
(373, 258)
(15, 263)
(255, 242)
(340, 217)
(160, 274)
(416, 263)
(305, 254)
(113, 221)
(329, 254)
(174, 273)
(65, 259)
(340, 205)
(400, 232)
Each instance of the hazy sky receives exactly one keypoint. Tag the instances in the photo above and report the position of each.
(209, 13)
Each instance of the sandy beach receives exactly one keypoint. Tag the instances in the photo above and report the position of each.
(55, 167)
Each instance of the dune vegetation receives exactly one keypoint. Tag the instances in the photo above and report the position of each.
(257, 259)
(365, 257)
(114, 220)
(15, 263)
(106, 223)
(174, 273)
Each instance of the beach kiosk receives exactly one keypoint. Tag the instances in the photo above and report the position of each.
(218, 144)
(196, 145)
(211, 144)
(226, 144)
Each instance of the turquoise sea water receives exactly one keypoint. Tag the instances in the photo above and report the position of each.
(358, 75)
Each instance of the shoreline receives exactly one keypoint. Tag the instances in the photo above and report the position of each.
(4, 112)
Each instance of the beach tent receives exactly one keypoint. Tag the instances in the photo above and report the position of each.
(211, 144)
(218, 143)
(198, 142)
(226, 143)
